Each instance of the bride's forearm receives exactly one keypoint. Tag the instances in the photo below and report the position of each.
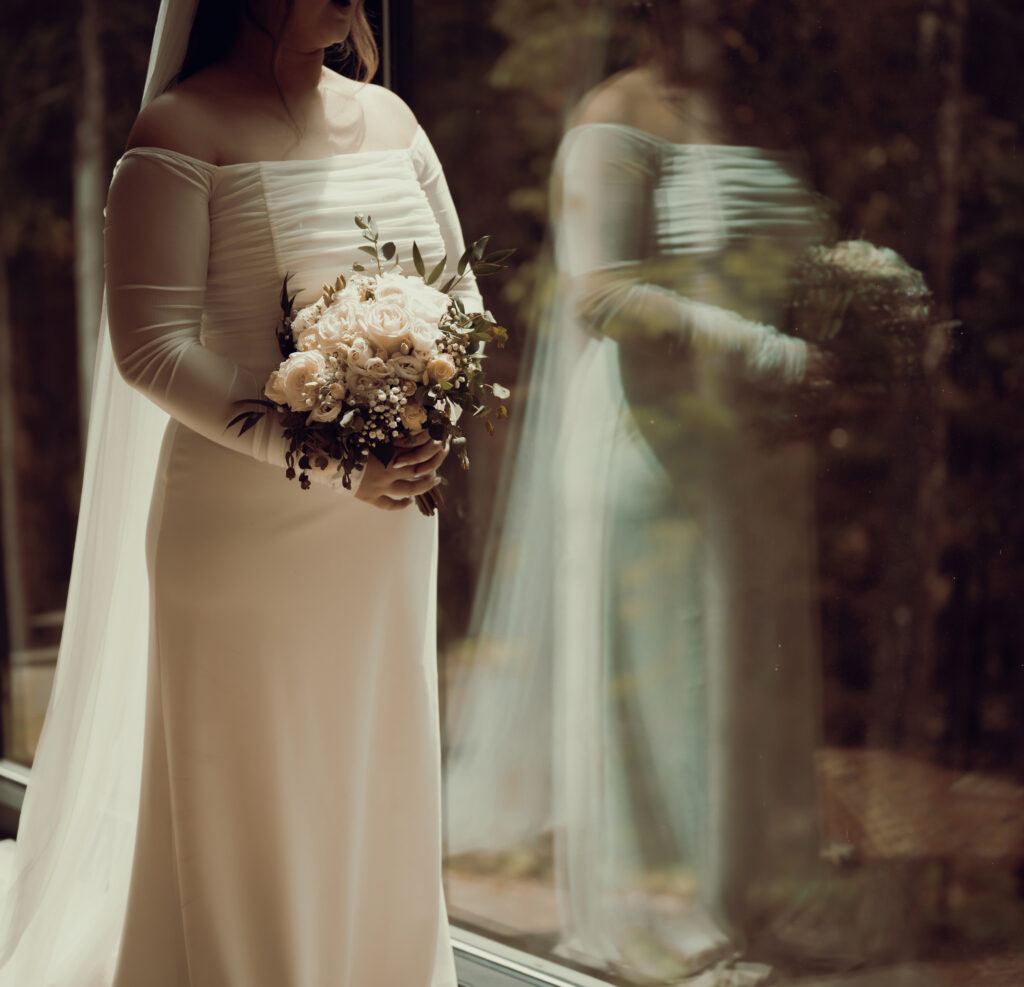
(620, 305)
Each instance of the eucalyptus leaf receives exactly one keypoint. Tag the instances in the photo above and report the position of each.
(388, 250)
(372, 251)
(438, 270)
(483, 268)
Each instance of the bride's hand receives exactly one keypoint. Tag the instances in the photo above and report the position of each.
(411, 472)
(819, 370)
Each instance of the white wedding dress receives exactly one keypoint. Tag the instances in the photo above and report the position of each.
(289, 832)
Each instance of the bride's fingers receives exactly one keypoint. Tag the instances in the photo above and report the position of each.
(421, 454)
(422, 468)
(412, 487)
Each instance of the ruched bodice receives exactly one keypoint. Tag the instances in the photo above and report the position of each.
(296, 217)
(289, 825)
(709, 197)
(693, 241)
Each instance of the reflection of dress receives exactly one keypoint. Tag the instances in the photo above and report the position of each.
(685, 633)
(289, 831)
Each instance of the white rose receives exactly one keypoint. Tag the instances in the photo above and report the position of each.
(408, 366)
(424, 336)
(325, 411)
(425, 302)
(360, 352)
(361, 386)
(307, 316)
(376, 367)
(385, 324)
(295, 383)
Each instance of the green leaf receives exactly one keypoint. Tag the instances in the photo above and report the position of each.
(465, 259)
(438, 270)
(358, 267)
(361, 222)
(483, 268)
(447, 286)
(417, 259)
(498, 256)
(479, 246)
(388, 250)
(372, 251)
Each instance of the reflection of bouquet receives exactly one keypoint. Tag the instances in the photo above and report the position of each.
(377, 358)
(864, 304)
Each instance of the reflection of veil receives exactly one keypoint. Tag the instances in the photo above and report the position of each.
(670, 756)
(66, 877)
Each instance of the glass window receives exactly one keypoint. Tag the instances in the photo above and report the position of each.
(730, 649)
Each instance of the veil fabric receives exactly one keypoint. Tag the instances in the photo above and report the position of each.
(65, 879)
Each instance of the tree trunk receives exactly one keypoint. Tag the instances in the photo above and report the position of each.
(10, 532)
(89, 193)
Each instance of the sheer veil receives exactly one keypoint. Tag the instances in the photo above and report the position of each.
(65, 879)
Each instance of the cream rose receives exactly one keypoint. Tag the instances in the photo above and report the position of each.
(413, 416)
(295, 383)
(441, 367)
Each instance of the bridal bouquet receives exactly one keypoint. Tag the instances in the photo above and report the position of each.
(381, 356)
(864, 304)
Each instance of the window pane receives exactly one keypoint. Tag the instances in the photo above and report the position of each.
(729, 641)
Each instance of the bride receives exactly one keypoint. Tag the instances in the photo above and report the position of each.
(288, 827)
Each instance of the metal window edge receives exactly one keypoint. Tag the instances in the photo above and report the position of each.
(510, 965)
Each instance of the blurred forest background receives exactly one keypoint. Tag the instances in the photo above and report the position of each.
(914, 122)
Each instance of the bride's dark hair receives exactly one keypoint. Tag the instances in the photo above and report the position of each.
(217, 24)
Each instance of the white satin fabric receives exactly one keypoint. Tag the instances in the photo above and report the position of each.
(646, 653)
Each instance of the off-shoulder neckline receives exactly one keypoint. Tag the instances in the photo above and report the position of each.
(646, 135)
(145, 150)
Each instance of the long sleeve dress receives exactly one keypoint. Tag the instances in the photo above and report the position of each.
(289, 830)
(685, 630)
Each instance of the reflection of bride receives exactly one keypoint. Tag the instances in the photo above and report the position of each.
(678, 546)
